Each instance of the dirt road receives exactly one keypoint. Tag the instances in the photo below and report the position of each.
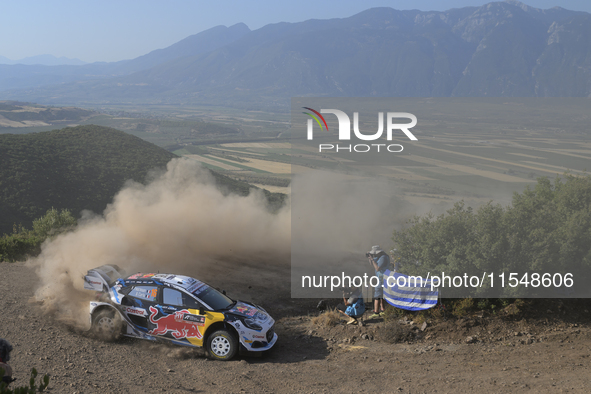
(505, 357)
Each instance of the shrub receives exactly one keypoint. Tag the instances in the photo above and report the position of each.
(462, 307)
(391, 313)
(54, 223)
(392, 332)
(31, 389)
(22, 242)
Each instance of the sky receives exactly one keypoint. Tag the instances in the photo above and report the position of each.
(112, 30)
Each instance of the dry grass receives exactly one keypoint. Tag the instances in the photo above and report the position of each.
(327, 319)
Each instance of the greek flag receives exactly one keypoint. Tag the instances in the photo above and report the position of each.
(404, 292)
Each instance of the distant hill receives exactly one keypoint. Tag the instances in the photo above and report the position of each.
(45, 60)
(206, 41)
(498, 49)
(31, 75)
(76, 168)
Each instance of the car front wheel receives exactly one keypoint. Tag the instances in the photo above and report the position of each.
(222, 345)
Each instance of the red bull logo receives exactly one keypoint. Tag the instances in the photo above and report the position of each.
(176, 324)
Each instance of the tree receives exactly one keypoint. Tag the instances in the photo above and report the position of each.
(546, 230)
(54, 223)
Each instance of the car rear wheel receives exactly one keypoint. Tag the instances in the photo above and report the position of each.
(222, 345)
(106, 324)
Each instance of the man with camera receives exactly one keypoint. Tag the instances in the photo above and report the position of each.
(380, 262)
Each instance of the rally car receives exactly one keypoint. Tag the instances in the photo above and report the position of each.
(178, 309)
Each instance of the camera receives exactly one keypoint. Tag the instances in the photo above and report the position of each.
(346, 291)
(367, 254)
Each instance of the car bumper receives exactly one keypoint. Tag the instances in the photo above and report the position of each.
(259, 346)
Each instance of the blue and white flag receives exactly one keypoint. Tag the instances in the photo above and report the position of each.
(409, 292)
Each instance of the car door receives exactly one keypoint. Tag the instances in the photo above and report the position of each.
(139, 304)
(201, 321)
(178, 318)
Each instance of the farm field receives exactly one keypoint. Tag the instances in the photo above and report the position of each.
(455, 157)
(437, 168)
(465, 149)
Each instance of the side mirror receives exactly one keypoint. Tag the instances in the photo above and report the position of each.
(201, 311)
(224, 292)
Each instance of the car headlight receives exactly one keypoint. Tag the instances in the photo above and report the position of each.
(252, 324)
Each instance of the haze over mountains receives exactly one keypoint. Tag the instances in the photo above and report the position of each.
(498, 49)
(45, 60)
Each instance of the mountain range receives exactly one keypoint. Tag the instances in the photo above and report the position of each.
(498, 49)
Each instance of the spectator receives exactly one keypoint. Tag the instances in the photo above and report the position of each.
(5, 350)
(380, 262)
(353, 307)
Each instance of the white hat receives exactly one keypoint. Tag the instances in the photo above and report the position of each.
(376, 249)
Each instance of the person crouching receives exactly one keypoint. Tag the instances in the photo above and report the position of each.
(352, 305)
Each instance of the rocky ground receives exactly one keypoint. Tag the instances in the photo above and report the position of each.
(545, 352)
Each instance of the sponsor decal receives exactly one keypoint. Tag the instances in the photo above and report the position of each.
(199, 320)
(259, 336)
(94, 282)
(246, 340)
(245, 310)
(140, 275)
(136, 311)
(137, 281)
(174, 323)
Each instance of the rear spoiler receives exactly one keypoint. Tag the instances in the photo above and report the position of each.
(102, 278)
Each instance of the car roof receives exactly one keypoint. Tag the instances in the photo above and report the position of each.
(187, 283)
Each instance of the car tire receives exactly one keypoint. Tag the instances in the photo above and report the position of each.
(106, 324)
(222, 345)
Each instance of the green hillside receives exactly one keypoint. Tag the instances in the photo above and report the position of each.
(74, 168)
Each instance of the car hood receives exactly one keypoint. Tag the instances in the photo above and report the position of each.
(245, 310)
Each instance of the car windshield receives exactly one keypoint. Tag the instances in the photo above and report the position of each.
(213, 298)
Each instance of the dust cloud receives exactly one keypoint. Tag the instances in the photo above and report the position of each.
(179, 222)
(336, 213)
